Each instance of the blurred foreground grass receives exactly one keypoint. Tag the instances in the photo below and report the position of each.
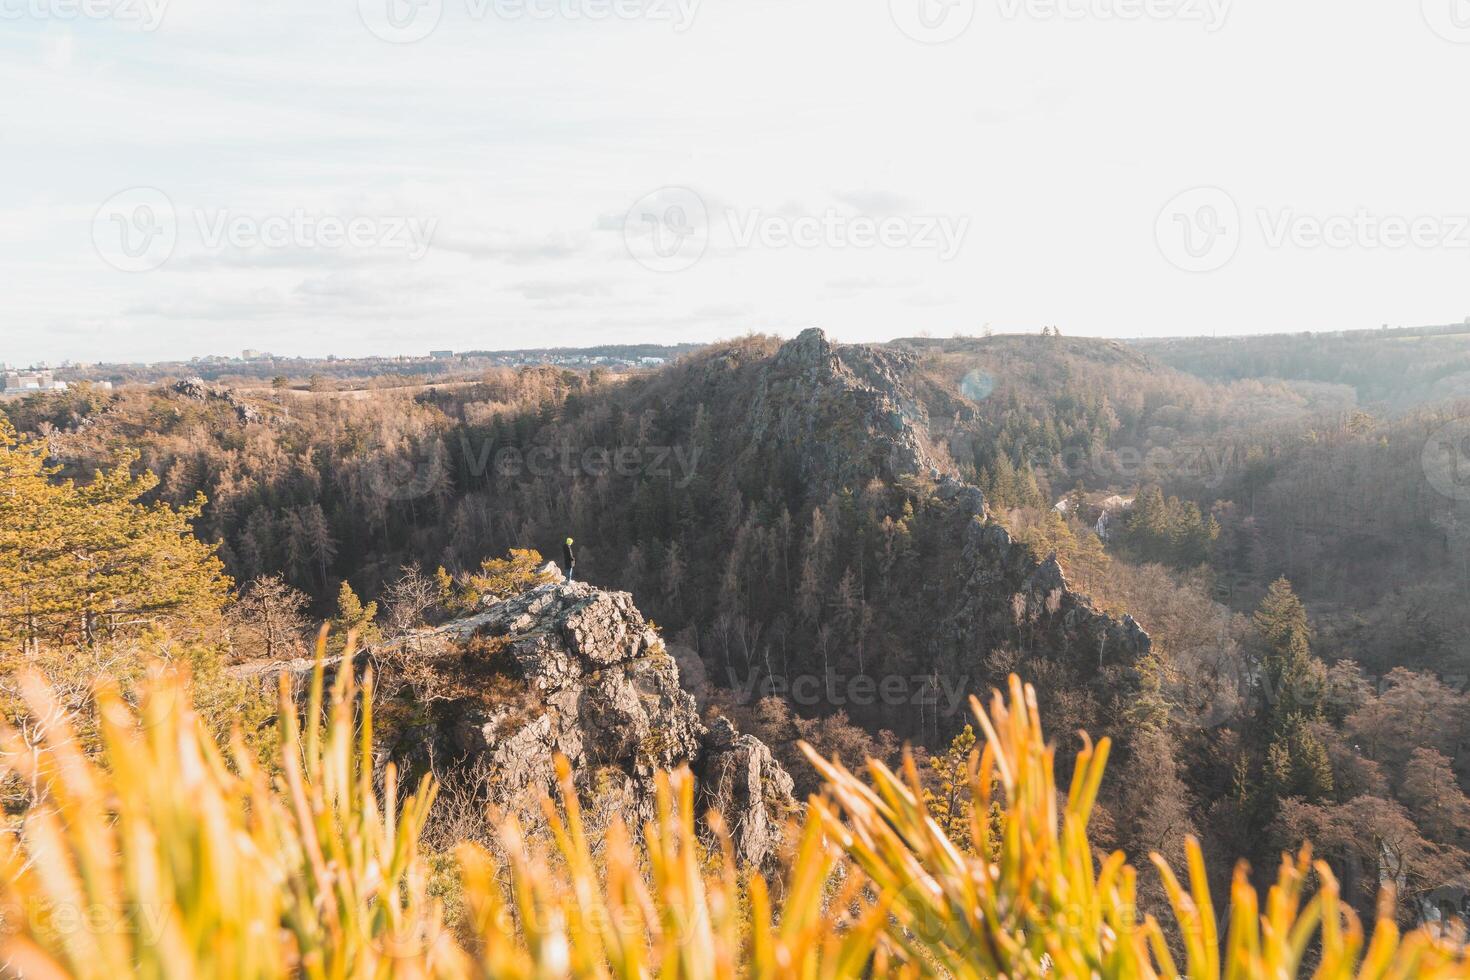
(176, 857)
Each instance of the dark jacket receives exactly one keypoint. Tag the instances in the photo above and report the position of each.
(567, 558)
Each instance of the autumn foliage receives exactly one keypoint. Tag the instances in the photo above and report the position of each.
(178, 857)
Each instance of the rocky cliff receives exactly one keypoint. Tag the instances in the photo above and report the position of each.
(846, 413)
(852, 412)
(568, 669)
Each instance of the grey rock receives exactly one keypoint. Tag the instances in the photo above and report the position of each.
(597, 686)
(741, 780)
(198, 390)
(846, 413)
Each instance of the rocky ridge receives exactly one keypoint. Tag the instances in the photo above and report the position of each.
(838, 396)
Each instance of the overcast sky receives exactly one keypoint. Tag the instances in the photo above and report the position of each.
(190, 177)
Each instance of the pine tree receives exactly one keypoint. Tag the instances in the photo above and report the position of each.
(673, 574)
(354, 618)
(1310, 765)
(1292, 676)
(1297, 763)
(269, 620)
(949, 801)
(1002, 489)
(79, 563)
(496, 579)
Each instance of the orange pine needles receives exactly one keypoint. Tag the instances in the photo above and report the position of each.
(174, 857)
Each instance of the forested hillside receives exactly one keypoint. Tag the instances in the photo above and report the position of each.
(1252, 584)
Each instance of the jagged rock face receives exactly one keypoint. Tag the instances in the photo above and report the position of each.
(1011, 597)
(851, 413)
(196, 389)
(744, 783)
(599, 687)
(847, 413)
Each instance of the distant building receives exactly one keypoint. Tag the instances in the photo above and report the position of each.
(250, 355)
(441, 355)
(21, 382)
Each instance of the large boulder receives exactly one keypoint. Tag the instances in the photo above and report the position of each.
(569, 669)
(741, 780)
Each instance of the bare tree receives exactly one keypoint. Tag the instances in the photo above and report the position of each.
(270, 620)
(408, 601)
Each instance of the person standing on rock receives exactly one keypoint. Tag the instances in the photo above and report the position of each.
(569, 560)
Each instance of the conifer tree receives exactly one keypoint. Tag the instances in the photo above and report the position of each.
(950, 801)
(1297, 763)
(80, 563)
(1293, 677)
(354, 618)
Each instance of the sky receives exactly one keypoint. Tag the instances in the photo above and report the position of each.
(181, 178)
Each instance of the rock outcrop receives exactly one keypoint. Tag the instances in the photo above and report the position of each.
(198, 390)
(844, 413)
(601, 689)
(570, 669)
(1010, 598)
